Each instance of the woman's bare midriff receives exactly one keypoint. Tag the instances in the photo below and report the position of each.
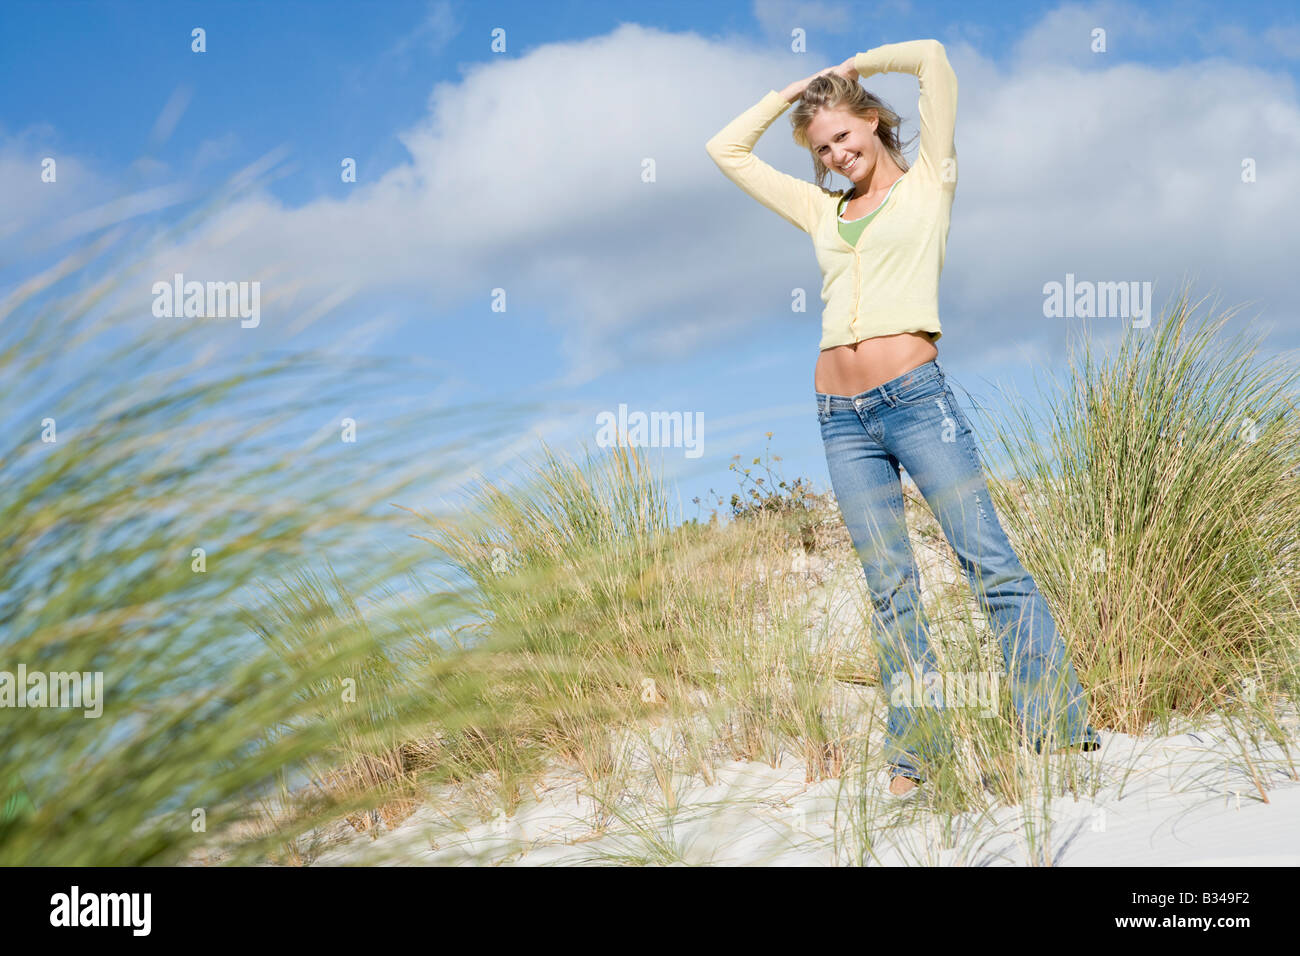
(851, 369)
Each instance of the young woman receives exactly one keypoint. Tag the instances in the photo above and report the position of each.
(883, 400)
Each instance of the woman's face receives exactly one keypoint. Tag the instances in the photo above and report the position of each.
(839, 139)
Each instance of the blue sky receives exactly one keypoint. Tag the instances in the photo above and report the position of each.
(521, 170)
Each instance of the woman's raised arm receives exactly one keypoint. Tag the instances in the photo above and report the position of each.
(938, 102)
(732, 148)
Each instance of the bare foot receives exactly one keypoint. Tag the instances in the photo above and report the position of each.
(901, 785)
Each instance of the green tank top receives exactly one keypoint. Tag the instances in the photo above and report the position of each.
(852, 231)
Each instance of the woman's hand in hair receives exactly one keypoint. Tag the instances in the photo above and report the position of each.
(845, 69)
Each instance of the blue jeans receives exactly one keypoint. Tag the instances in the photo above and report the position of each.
(913, 421)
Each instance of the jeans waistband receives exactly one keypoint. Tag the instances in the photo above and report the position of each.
(879, 395)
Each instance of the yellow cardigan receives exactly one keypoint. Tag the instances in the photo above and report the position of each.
(889, 281)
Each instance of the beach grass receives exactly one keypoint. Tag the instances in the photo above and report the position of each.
(268, 687)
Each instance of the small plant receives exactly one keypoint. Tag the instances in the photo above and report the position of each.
(792, 502)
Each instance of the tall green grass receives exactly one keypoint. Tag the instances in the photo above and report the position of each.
(343, 660)
(1163, 518)
(138, 543)
(586, 592)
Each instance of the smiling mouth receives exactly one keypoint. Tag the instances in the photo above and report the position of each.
(850, 165)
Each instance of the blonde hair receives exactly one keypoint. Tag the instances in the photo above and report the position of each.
(834, 92)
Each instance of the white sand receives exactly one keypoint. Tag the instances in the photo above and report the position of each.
(1174, 801)
(1183, 799)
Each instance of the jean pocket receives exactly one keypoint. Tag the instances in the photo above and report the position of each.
(823, 413)
(914, 393)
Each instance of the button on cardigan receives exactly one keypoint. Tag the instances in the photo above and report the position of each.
(888, 281)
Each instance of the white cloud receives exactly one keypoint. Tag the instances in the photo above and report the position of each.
(432, 34)
(1065, 35)
(214, 149)
(822, 20)
(170, 115)
(1285, 40)
(527, 174)
(29, 202)
(779, 17)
